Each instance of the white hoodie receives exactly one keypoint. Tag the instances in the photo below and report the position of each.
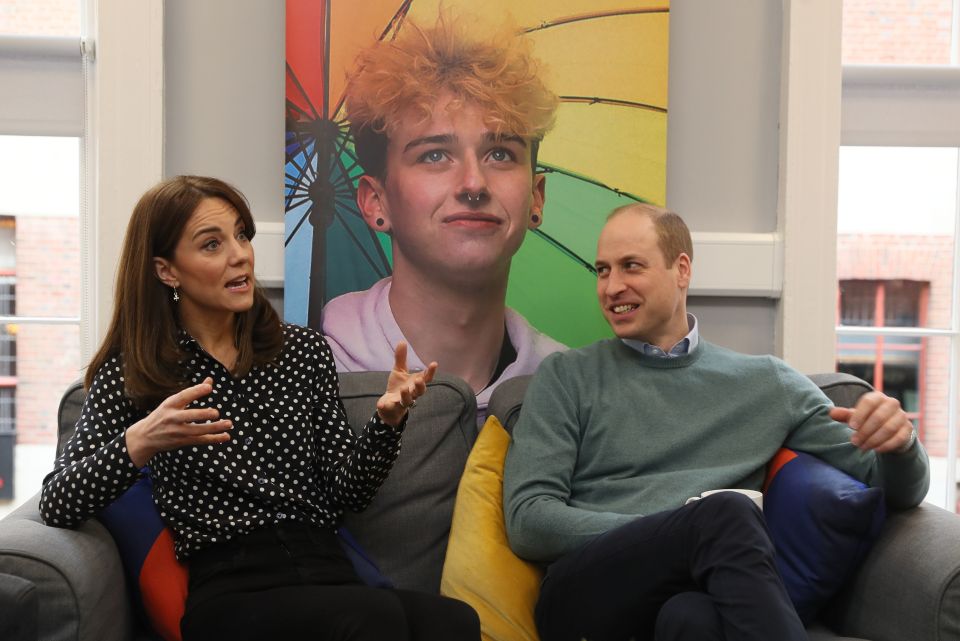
(363, 332)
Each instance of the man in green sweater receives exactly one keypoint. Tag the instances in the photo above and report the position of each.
(614, 437)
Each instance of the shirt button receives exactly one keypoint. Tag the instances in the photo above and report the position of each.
(281, 515)
(262, 481)
(248, 440)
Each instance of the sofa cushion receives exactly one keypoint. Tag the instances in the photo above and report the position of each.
(822, 523)
(481, 569)
(406, 526)
(157, 581)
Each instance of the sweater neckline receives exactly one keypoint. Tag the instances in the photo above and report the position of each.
(658, 362)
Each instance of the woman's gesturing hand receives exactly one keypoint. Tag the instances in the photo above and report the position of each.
(171, 425)
(403, 388)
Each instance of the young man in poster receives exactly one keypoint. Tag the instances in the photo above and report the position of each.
(447, 121)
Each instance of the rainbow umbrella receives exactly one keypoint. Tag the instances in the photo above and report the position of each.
(608, 62)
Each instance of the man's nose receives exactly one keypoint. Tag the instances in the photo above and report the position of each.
(473, 183)
(613, 283)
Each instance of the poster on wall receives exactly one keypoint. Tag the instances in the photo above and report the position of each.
(607, 62)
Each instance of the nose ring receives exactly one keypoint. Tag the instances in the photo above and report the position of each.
(474, 198)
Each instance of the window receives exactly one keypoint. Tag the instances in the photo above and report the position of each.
(897, 319)
(41, 120)
(40, 17)
(892, 364)
(916, 32)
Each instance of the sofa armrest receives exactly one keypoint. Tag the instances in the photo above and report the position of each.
(77, 573)
(18, 609)
(909, 585)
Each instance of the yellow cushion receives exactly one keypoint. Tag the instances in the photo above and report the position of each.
(480, 569)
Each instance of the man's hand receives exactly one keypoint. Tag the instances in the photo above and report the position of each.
(171, 425)
(878, 422)
(403, 388)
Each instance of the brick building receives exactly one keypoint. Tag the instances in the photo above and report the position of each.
(899, 281)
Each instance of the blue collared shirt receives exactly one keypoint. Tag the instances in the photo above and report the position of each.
(685, 346)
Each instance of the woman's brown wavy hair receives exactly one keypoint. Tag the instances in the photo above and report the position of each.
(144, 328)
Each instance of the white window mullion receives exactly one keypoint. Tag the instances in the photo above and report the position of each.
(954, 376)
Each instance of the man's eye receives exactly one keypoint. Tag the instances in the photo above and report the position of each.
(501, 155)
(434, 155)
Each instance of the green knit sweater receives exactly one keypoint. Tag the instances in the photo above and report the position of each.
(607, 434)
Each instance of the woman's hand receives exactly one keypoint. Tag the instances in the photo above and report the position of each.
(172, 425)
(403, 388)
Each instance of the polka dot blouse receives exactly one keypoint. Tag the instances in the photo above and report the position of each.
(291, 454)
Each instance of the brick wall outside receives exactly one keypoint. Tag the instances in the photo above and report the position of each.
(919, 258)
(896, 31)
(40, 17)
(48, 356)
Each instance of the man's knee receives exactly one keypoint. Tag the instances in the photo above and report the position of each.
(689, 616)
(732, 517)
(729, 507)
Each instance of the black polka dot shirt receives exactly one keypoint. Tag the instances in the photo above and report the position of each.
(291, 454)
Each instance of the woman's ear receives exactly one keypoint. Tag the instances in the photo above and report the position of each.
(371, 201)
(165, 272)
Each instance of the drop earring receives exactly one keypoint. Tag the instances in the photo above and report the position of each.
(176, 295)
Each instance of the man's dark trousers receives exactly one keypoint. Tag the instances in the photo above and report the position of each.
(704, 571)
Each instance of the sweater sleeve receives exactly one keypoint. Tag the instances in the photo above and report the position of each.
(539, 469)
(95, 467)
(352, 467)
(905, 478)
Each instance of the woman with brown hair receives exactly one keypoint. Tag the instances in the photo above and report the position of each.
(240, 420)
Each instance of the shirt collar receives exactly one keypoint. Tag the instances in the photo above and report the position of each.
(686, 345)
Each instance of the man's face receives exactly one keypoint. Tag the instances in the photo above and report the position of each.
(641, 296)
(456, 198)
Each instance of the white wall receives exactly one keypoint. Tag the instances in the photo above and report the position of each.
(723, 144)
(224, 96)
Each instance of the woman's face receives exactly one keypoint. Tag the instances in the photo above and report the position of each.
(212, 265)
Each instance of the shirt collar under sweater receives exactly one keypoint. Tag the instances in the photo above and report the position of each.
(686, 345)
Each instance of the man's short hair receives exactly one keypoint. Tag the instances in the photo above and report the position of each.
(673, 235)
(495, 71)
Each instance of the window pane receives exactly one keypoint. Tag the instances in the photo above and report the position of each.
(39, 278)
(917, 32)
(40, 17)
(896, 217)
(913, 370)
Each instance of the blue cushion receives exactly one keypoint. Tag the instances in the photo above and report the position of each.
(822, 523)
(158, 580)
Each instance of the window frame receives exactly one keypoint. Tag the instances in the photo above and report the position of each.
(911, 106)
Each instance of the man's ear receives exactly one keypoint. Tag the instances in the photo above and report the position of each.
(371, 201)
(165, 272)
(684, 270)
(539, 198)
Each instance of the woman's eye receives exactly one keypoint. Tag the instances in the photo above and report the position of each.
(211, 244)
(242, 235)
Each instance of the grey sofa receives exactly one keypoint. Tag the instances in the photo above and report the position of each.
(907, 589)
(69, 584)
